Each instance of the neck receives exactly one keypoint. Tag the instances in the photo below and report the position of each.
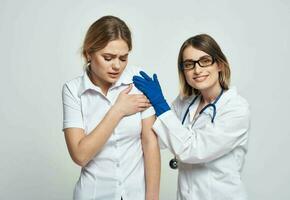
(98, 82)
(210, 94)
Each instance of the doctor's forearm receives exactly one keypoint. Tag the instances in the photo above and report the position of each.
(205, 144)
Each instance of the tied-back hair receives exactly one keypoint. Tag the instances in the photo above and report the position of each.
(103, 31)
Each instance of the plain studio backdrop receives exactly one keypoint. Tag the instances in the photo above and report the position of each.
(40, 50)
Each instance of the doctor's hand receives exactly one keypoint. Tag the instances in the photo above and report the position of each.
(151, 88)
(128, 104)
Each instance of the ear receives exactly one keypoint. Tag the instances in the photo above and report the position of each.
(88, 56)
(220, 67)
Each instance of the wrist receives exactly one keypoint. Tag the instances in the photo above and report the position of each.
(117, 112)
(161, 108)
(151, 196)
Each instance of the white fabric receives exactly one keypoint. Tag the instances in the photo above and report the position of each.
(210, 155)
(118, 170)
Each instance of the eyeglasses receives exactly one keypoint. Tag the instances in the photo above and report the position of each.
(205, 61)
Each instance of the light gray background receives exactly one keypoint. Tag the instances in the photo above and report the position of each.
(39, 49)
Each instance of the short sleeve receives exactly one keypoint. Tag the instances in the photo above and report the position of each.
(148, 112)
(72, 113)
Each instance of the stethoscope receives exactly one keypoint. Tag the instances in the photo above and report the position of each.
(173, 163)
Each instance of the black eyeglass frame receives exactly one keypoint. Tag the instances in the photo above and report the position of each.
(181, 66)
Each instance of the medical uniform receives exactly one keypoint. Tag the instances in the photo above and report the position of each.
(118, 169)
(210, 154)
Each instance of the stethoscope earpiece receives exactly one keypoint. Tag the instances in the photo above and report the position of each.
(173, 163)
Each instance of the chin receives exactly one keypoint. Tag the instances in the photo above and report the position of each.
(112, 80)
(200, 86)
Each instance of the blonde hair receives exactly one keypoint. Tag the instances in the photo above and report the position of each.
(102, 31)
(206, 43)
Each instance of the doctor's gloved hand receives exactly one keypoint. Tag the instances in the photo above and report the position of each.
(152, 90)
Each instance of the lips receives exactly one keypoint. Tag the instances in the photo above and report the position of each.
(200, 78)
(113, 74)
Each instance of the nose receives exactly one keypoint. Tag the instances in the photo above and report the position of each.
(197, 69)
(116, 65)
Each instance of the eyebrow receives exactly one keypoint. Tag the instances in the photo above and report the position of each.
(114, 55)
(198, 58)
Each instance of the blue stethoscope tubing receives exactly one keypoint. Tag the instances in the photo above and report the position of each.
(173, 162)
(207, 106)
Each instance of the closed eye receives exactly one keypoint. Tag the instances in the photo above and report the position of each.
(124, 58)
(107, 59)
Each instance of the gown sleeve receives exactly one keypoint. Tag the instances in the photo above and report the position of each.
(206, 143)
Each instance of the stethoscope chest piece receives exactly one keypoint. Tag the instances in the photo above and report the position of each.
(173, 163)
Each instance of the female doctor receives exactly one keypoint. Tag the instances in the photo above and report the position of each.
(207, 127)
(107, 122)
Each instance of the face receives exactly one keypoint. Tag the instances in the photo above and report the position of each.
(108, 63)
(202, 79)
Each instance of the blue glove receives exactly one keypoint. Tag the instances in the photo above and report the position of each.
(152, 90)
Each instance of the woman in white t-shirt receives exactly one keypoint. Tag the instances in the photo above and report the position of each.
(107, 121)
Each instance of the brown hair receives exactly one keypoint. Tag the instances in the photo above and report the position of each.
(104, 30)
(206, 43)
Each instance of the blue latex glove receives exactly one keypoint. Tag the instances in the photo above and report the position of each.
(152, 90)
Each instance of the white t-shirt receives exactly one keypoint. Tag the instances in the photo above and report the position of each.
(118, 169)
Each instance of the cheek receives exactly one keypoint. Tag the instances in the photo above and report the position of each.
(188, 76)
(214, 76)
(124, 64)
(214, 71)
(99, 63)
(98, 68)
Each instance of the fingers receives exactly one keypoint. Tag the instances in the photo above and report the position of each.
(155, 79)
(143, 106)
(128, 89)
(139, 98)
(144, 100)
(137, 102)
(141, 85)
(144, 75)
(139, 79)
(139, 82)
